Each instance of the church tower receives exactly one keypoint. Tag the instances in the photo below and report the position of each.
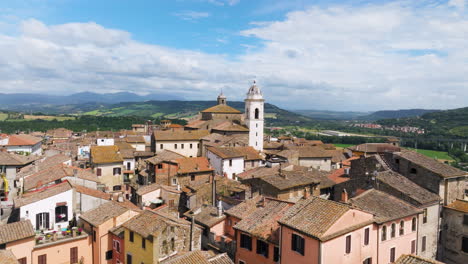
(254, 116)
(221, 99)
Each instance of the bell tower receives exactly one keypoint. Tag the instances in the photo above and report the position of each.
(254, 116)
(221, 99)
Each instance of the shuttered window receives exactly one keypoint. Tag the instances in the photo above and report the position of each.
(99, 172)
(298, 244)
(348, 244)
(366, 236)
(392, 255)
(74, 255)
(246, 242)
(42, 259)
(413, 246)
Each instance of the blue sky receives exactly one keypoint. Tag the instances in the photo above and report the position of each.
(333, 55)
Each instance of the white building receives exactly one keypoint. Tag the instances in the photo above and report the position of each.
(23, 144)
(105, 141)
(230, 162)
(254, 116)
(49, 208)
(185, 142)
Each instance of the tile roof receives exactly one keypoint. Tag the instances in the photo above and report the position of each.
(231, 126)
(43, 164)
(218, 140)
(91, 192)
(221, 259)
(8, 257)
(245, 208)
(135, 139)
(150, 223)
(248, 153)
(193, 257)
(263, 222)
(459, 205)
(374, 148)
(384, 206)
(306, 152)
(148, 188)
(23, 140)
(32, 197)
(416, 195)
(338, 176)
(348, 161)
(182, 135)
(314, 216)
(165, 155)
(221, 109)
(433, 165)
(291, 179)
(105, 154)
(103, 213)
(16, 231)
(196, 164)
(413, 259)
(7, 158)
(59, 133)
(208, 216)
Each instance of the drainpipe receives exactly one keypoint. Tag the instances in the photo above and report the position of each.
(192, 224)
(280, 243)
(320, 253)
(378, 243)
(417, 234)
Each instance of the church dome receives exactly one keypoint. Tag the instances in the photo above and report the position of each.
(254, 92)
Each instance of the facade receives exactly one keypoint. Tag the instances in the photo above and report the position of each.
(231, 161)
(186, 143)
(23, 144)
(454, 239)
(254, 116)
(107, 163)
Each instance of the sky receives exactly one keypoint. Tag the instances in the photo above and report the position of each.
(351, 55)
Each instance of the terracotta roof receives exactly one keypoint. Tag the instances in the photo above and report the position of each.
(245, 208)
(135, 139)
(165, 155)
(207, 216)
(148, 188)
(42, 164)
(306, 152)
(221, 109)
(248, 153)
(314, 216)
(459, 205)
(413, 259)
(149, 223)
(59, 133)
(272, 145)
(375, 148)
(230, 126)
(385, 207)
(292, 179)
(105, 154)
(23, 140)
(101, 214)
(338, 176)
(16, 231)
(182, 135)
(91, 192)
(197, 164)
(263, 222)
(7, 158)
(32, 197)
(413, 193)
(175, 126)
(221, 259)
(218, 140)
(8, 257)
(348, 161)
(193, 257)
(433, 165)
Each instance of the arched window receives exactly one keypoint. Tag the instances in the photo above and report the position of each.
(413, 224)
(384, 233)
(402, 228)
(392, 230)
(257, 113)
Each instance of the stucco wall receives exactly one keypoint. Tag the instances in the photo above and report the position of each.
(60, 253)
(186, 150)
(22, 248)
(430, 230)
(323, 164)
(402, 244)
(311, 249)
(107, 174)
(251, 256)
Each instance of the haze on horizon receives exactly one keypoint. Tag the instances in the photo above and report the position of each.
(328, 55)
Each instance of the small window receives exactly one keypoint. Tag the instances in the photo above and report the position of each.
(413, 171)
(230, 163)
(192, 177)
(384, 233)
(143, 242)
(182, 146)
(117, 171)
(348, 244)
(191, 145)
(413, 246)
(262, 248)
(257, 113)
(74, 255)
(246, 242)
(465, 220)
(42, 259)
(98, 172)
(117, 246)
(402, 228)
(131, 236)
(392, 230)
(117, 188)
(397, 161)
(129, 259)
(276, 254)
(160, 166)
(413, 224)
(367, 261)
(298, 244)
(94, 235)
(252, 163)
(425, 216)
(161, 146)
(241, 262)
(423, 244)
(108, 255)
(392, 255)
(366, 236)
(175, 146)
(465, 244)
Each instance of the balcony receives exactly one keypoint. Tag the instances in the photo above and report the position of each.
(52, 237)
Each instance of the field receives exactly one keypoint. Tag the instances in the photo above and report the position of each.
(48, 118)
(3, 116)
(440, 155)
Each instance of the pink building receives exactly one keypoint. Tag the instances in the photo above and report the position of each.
(316, 230)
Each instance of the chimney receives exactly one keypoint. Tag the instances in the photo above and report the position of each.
(220, 208)
(344, 196)
(261, 203)
(306, 193)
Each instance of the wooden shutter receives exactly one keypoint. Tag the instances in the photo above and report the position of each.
(22, 261)
(348, 244)
(413, 246)
(423, 246)
(74, 255)
(366, 236)
(42, 259)
(46, 215)
(38, 217)
(99, 172)
(392, 255)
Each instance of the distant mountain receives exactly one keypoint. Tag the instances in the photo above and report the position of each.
(447, 122)
(34, 102)
(331, 115)
(386, 114)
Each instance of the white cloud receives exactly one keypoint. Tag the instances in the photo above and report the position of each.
(224, 2)
(341, 57)
(192, 15)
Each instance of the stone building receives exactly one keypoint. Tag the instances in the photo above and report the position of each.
(454, 239)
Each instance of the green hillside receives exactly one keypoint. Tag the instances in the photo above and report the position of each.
(452, 123)
(187, 109)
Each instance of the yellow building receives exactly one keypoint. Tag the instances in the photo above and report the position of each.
(154, 236)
